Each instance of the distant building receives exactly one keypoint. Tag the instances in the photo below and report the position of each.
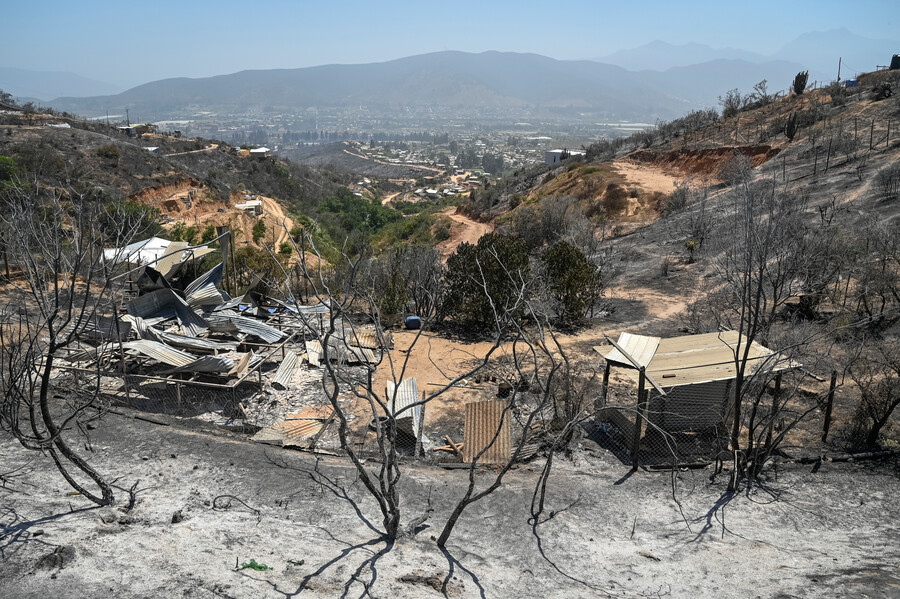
(557, 156)
(254, 206)
(262, 152)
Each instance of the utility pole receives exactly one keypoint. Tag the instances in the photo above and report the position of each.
(839, 69)
(127, 118)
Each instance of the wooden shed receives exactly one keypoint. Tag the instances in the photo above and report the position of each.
(688, 382)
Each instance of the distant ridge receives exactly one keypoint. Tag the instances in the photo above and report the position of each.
(46, 85)
(450, 79)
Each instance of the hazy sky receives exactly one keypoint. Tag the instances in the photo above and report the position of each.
(127, 43)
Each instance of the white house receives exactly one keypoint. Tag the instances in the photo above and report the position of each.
(557, 156)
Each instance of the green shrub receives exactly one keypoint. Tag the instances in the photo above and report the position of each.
(259, 230)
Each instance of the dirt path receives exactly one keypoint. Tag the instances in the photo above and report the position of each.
(646, 177)
(389, 197)
(206, 149)
(469, 231)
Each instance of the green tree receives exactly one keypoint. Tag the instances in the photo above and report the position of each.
(209, 233)
(259, 230)
(486, 282)
(571, 280)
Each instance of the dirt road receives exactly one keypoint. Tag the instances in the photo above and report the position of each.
(468, 231)
(206, 149)
(407, 165)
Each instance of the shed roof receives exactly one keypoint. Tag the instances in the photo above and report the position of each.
(694, 359)
(639, 347)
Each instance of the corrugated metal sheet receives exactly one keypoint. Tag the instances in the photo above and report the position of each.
(211, 278)
(206, 296)
(285, 371)
(251, 326)
(211, 364)
(293, 307)
(483, 420)
(314, 352)
(340, 351)
(297, 427)
(104, 329)
(159, 352)
(323, 308)
(641, 348)
(399, 398)
(191, 343)
(150, 305)
(138, 324)
(91, 354)
(366, 340)
(228, 322)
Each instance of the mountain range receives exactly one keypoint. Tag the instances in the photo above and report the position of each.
(489, 80)
(816, 51)
(657, 80)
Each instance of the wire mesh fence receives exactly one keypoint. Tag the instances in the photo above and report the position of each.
(686, 425)
(154, 395)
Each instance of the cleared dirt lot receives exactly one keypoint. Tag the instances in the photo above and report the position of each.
(825, 534)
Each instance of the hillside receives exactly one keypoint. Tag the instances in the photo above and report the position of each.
(645, 190)
(191, 182)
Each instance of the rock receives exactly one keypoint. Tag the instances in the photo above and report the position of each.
(177, 517)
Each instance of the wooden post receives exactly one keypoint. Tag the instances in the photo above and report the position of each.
(828, 403)
(419, 450)
(828, 155)
(606, 382)
(638, 421)
(178, 393)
